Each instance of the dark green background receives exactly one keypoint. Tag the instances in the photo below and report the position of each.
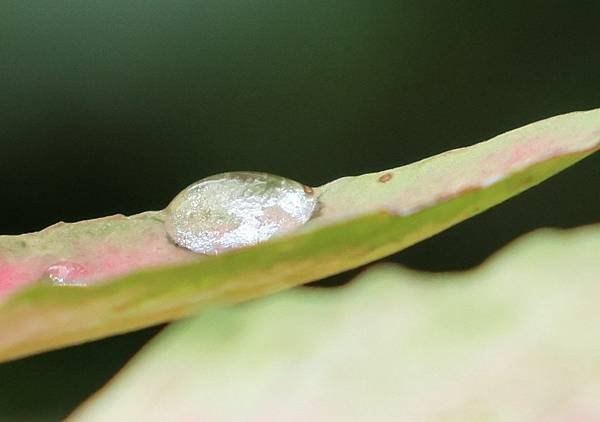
(113, 106)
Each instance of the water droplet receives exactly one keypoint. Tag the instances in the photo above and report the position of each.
(236, 209)
(66, 273)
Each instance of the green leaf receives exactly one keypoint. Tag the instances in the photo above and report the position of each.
(361, 219)
(515, 339)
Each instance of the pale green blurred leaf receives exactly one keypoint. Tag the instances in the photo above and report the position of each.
(515, 339)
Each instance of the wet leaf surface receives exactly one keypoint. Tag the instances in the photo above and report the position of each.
(146, 279)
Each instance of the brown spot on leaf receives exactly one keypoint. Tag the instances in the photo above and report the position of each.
(308, 190)
(386, 177)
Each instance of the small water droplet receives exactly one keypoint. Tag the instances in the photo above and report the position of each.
(236, 209)
(66, 273)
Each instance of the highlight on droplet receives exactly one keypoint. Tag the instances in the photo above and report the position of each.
(236, 209)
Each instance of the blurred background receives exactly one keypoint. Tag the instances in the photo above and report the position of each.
(114, 106)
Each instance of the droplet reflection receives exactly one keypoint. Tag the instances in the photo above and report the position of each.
(236, 209)
(67, 273)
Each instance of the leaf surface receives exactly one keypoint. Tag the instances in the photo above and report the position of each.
(147, 280)
(512, 340)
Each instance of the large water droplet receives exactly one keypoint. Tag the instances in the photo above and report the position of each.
(66, 273)
(231, 210)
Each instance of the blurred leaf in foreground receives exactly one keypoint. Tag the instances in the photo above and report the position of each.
(512, 340)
